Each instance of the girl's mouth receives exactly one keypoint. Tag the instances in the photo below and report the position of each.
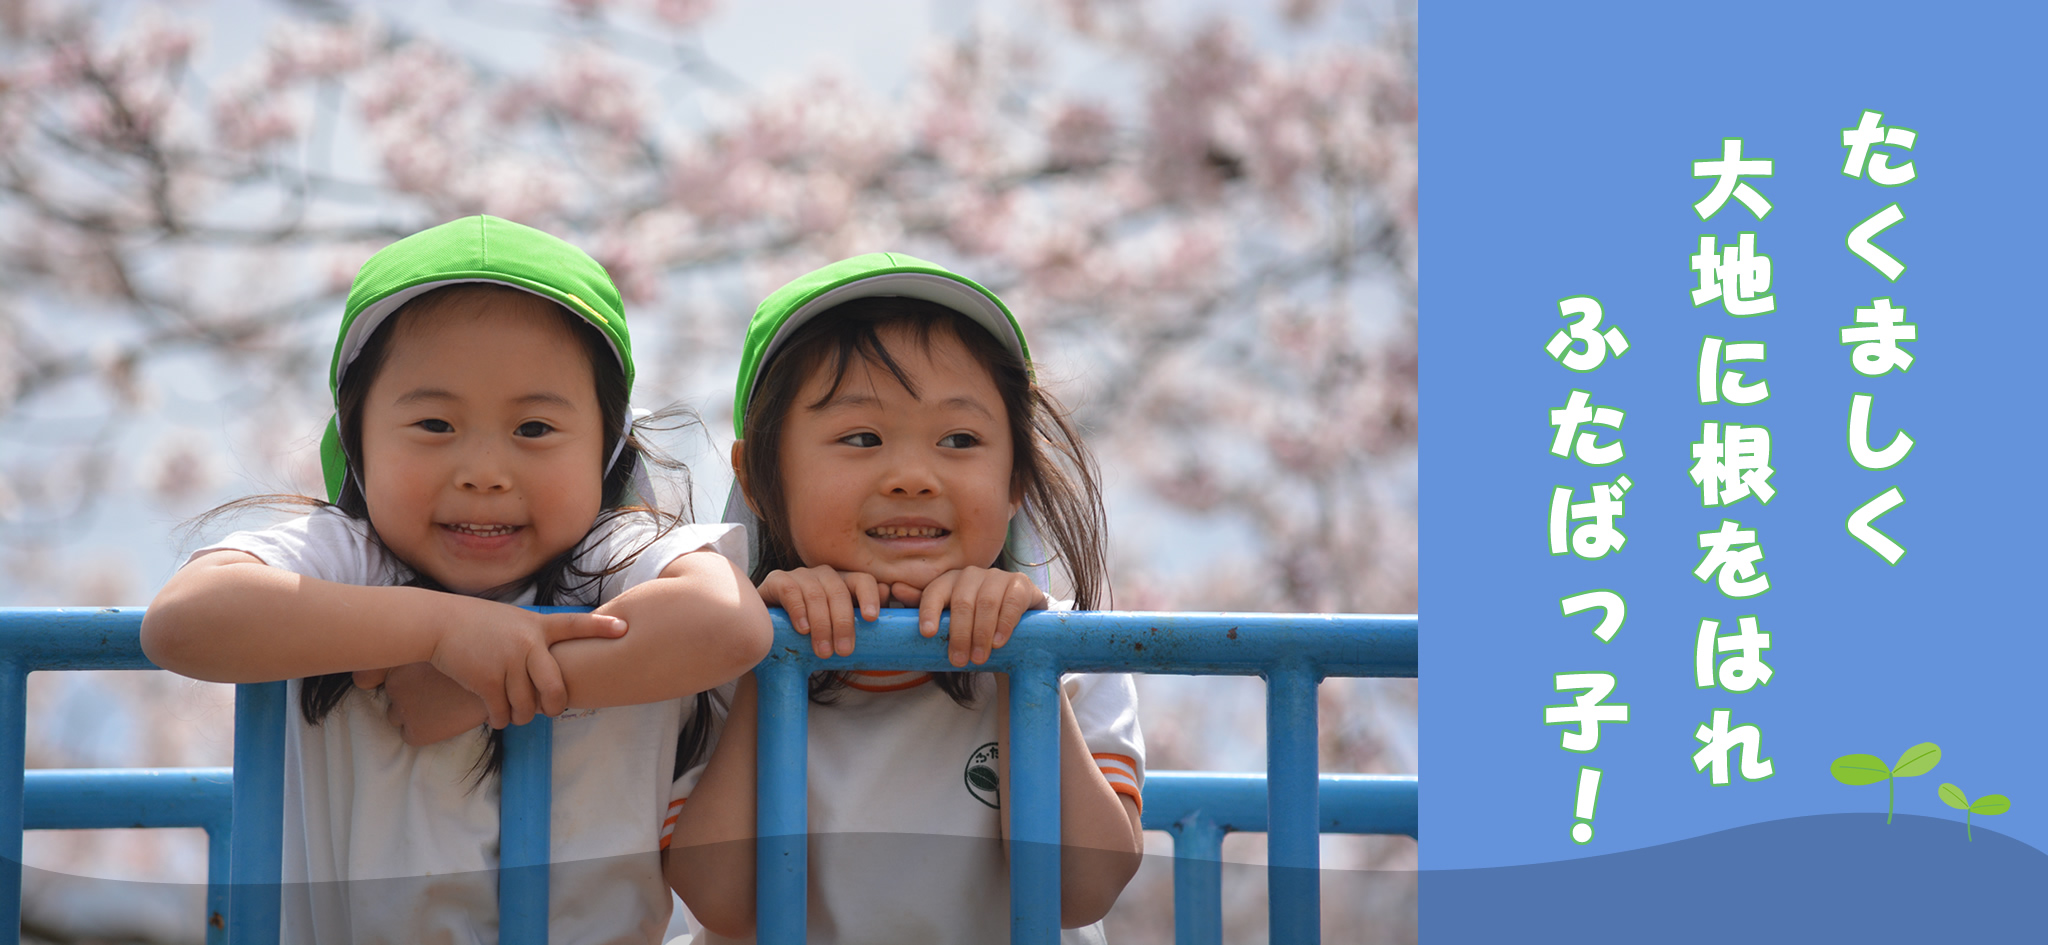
(481, 531)
(908, 531)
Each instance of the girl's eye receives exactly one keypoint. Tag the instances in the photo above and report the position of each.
(533, 428)
(436, 426)
(959, 441)
(865, 440)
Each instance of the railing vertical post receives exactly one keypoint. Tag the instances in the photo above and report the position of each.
(13, 757)
(217, 881)
(1293, 817)
(1197, 880)
(256, 861)
(1033, 796)
(781, 852)
(526, 793)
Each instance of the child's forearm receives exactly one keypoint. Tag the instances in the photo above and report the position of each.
(1101, 840)
(228, 617)
(696, 627)
(710, 858)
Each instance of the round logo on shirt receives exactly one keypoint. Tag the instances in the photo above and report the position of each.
(981, 778)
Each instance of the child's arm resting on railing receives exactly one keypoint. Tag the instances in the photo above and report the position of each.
(229, 617)
(1101, 840)
(696, 626)
(710, 858)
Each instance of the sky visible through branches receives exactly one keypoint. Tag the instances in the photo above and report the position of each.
(1205, 215)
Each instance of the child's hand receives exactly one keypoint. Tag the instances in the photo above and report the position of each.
(986, 605)
(502, 656)
(427, 706)
(826, 597)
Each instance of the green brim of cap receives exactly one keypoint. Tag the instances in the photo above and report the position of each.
(472, 249)
(869, 276)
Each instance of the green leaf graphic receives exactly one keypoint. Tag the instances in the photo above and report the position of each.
(1990, 804)
(1953, 796)
(1860, 769)
(1917, 760)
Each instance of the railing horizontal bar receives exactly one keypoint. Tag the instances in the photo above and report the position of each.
(1351, 803)
(50, 638)
(109, 798)
(39, 638)
(1095, 642)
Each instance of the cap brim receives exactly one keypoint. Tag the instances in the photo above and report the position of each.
(366, 322)
(939, 290)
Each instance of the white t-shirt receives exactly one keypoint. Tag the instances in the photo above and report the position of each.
(905, 837)
(385, 842)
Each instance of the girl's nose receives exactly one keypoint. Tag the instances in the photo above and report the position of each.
(911, 476)
(483, 470)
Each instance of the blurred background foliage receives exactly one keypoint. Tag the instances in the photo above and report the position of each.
(1205, 216)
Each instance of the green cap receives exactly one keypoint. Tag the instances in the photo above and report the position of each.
(472, 249)
(869, 276)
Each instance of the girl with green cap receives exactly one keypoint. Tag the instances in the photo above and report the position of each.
(894, 450)
(481, 456)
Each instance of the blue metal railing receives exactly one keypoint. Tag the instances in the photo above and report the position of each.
(1292, 651)
(241, 808)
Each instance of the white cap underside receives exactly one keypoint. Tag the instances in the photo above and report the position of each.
(938, 290)
(360, 330)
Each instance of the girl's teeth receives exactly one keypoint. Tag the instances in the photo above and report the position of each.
(902, 532)
(485, 531)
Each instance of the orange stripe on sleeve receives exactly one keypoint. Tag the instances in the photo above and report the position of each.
(910, 683)
(1118, 786)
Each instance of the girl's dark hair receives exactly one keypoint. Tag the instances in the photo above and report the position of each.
(559, 579)
(1052, 468)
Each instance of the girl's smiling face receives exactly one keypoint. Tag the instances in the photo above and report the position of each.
(482, 442)
(899, 486)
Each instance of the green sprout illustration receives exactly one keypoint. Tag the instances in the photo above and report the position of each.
(1870, 769)
(1987, 805)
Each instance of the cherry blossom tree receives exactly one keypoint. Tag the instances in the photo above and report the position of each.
(1214, 251)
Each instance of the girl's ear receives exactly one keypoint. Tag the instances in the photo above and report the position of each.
(739, 474)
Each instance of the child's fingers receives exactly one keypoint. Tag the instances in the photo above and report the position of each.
(497, 707)
(988, 612)
(931, 603)
(1018, 598)
(559, 627)
(840, 640)
(960, 643)
(813, 603)
(519, 692)
(370, 678)
(774, 589)
(788, 590)
(551, 692)
(866, 593)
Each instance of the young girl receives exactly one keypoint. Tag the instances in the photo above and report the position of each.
(480, 457)
(897, 452)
